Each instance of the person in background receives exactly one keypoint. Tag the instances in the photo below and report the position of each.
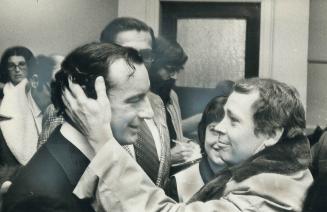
(169, 61)
(152, 149)
(187, 182)
(51, 119)
(24, 104)
(15, 64)
(317, 194)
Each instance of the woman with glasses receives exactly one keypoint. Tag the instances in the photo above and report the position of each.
(15, 64)
(20, 118)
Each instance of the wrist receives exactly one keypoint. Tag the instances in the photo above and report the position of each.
(101, 140)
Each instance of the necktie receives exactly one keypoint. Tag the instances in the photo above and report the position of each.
(146, 153)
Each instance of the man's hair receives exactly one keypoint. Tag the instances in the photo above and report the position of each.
(110, 32)
(168, 53)
(214, 112)
(15, 51)
(84, 64)
(278, 107)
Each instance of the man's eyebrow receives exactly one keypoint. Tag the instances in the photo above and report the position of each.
(231, 114)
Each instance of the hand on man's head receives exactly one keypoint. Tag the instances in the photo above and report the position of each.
(90, 116)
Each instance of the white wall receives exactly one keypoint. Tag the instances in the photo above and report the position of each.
(53, 26)
(287, 42)
(290, 43)
(317, 67)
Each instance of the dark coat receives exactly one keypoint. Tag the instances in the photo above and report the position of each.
(8, 162)
(317, 195)
(50, 176)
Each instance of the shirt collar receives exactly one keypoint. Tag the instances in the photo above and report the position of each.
(77, 139)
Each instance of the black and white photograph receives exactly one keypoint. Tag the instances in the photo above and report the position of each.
(163, 105)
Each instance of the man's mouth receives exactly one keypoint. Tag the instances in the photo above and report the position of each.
(17, 76)
(134, 127)
(222, 144)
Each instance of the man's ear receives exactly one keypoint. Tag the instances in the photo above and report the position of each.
(34, 81)
(274, 139)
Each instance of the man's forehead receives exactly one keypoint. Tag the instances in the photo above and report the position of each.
(134, 39)
(240, 103)
(123, 74)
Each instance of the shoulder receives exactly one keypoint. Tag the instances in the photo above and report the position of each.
(173, 95)
(154, 99)
(188, 182)
(265, 188)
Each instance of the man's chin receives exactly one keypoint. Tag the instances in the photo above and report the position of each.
(130, 139)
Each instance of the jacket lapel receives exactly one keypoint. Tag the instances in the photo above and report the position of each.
(71, 159)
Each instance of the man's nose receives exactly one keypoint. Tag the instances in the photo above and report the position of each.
(146, 111)
(220, 127)
(17, 69)
(173, 75)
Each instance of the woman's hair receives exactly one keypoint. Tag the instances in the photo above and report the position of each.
(15, 51)
(214, 112)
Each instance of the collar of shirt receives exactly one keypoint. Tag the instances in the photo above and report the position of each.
(77, 139)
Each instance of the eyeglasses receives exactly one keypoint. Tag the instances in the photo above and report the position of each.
(147, 55)
(21, 66)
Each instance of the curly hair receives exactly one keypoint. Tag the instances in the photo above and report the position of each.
(15, 51)
(278, 107)
(85, 64)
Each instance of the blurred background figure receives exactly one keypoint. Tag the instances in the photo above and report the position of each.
(25, 104)
(169, 61)
(51, 119)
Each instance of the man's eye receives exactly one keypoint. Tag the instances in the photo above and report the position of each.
(234, 121)
(134, 99)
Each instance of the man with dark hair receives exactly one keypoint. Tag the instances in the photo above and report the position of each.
(152, 149)
(170, 59)
(261, 142)
(55, 169)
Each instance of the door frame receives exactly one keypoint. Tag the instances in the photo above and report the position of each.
(151, 15)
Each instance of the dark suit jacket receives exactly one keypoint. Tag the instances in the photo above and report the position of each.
(317, 195)
(52, 173)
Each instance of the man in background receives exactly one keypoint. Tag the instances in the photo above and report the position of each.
(152, 149)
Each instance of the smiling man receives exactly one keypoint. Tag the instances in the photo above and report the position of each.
(51, 175)
(262, 142)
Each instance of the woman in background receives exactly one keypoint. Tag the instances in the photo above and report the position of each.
(187, 182)
(15, 64)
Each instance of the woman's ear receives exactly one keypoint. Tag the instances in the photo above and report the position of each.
(274, 139)
(34, 81)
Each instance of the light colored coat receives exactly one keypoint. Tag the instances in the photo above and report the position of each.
(278, 182)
